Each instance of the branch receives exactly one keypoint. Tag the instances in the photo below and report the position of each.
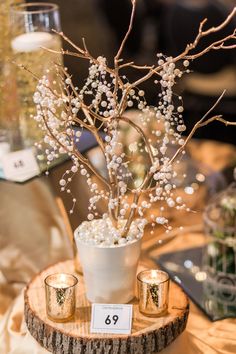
(196, 126)
(216, 118)
(84, 107)
(75, 152)
(92, 128)
(65, 52)
(202, 122)
(131, 216)
(86, 56)
(217, 28)
(61, 34)
(128, 32)
(214, 46)
(191, 46)
(211, 30)
(85, 46)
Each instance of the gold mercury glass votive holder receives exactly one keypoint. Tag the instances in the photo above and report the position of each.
(60, 296)
(153, 292)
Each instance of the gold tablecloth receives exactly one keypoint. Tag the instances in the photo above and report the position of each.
(33, 235)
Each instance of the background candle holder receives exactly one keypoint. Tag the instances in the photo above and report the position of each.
(60, 296)
(153, 291)
(32, 26)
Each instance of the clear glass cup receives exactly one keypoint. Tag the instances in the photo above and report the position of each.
(60, 296)
(8, 99)
(153, 292)
(32, 26)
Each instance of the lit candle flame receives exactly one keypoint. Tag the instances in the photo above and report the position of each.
(153, 274)
(63, 278)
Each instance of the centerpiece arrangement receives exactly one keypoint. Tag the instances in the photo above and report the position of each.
(109, 244)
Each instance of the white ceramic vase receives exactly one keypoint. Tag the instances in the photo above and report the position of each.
(109, 272)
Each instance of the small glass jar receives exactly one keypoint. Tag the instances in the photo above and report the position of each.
(60, 296)
(153, 292)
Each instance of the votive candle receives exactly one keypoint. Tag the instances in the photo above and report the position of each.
(60, 296)
(153, 291)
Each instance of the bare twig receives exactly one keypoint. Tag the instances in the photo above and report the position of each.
(127, 33)
(196, 126)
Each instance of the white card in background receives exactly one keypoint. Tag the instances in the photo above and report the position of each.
(19, 166)
(111, 318)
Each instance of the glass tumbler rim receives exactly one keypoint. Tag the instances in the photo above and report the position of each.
(46, 282)
(140, 274)
(40, 8)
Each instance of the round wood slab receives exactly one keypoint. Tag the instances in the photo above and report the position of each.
(149, 335)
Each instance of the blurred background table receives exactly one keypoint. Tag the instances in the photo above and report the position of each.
(34, 233)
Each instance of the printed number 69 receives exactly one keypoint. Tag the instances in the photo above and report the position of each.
(114, 318)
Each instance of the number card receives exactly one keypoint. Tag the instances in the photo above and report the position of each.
(20, 165)
(111, 318)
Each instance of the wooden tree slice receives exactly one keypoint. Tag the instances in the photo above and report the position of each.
(149, 335)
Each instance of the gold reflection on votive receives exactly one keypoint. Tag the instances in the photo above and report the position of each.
(153, 292)
(60, 296)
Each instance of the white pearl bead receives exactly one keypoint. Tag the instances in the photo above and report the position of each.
(179, 200)
(180, 109)
(62, 182)
(83, 172)
(186, 63)
(74, 169)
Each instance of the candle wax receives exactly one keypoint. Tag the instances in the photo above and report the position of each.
(61, 285)
(152, 280)
(154, 277)
(32, 41)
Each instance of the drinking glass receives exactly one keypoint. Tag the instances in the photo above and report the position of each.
(32, 31)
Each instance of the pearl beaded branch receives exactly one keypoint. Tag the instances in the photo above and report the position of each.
(65, 111)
